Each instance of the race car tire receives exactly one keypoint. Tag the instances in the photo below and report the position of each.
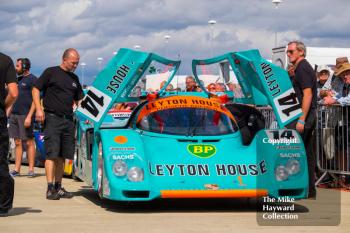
(100, 177)
(75, 165)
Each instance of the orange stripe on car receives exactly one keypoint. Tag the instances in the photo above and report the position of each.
(213, 193)
(183, 102)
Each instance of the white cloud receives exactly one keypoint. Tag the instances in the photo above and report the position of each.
(22, 30)
(41, 30)
(83, 40)
(36, 12)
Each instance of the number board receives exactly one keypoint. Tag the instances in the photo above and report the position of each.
(287, 105)
(94, 104)
(283, 134)
(280, 92)
(111, 84)
(271, 81)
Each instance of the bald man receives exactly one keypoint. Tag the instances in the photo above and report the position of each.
(60, 88)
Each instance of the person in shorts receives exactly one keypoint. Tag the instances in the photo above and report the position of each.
(21, 118)
(61, 89)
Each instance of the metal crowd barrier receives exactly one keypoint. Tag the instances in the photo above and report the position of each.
(332, 137)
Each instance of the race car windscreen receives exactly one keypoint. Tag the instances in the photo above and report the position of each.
(219, 77)
(188, 122)
(154, 78)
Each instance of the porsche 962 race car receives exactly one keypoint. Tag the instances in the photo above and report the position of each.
(177, 144)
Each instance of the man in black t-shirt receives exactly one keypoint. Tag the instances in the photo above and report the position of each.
(21, 118)
(305, 86)
(7, 77)
(61, 89)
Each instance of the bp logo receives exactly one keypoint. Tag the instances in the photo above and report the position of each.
(202, 151)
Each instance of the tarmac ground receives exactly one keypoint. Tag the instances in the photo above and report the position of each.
(86, 212)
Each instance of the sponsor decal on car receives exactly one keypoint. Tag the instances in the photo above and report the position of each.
(288, 147)
(211, 186)
(122, 148)
(202, 151)
(270, 79)
(117, 114)
(290, 155)
(182, 102)
(123, 157)
(120, 139)
(118, 78)
(206, 170)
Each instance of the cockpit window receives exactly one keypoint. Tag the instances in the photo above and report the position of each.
(188, 121)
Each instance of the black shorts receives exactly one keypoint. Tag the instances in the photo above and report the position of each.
(59, 138)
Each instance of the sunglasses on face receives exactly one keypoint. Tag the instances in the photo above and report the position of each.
(324, 73)
(290, 51)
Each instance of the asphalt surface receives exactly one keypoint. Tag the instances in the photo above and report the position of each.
(85, 212)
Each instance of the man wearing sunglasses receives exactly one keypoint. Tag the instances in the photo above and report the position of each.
(305, 85)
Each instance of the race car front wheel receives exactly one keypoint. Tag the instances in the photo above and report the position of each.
(75, 165)
(100, 172)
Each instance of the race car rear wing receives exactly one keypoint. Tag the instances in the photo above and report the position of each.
(262, 82)
(116, 81)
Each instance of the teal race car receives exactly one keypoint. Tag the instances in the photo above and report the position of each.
(172, 144)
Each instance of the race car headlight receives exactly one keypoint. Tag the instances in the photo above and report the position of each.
(293, 166)
(135, 174)
(281, 173)
(120, 168)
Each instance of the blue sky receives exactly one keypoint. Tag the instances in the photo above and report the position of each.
(41, 30)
